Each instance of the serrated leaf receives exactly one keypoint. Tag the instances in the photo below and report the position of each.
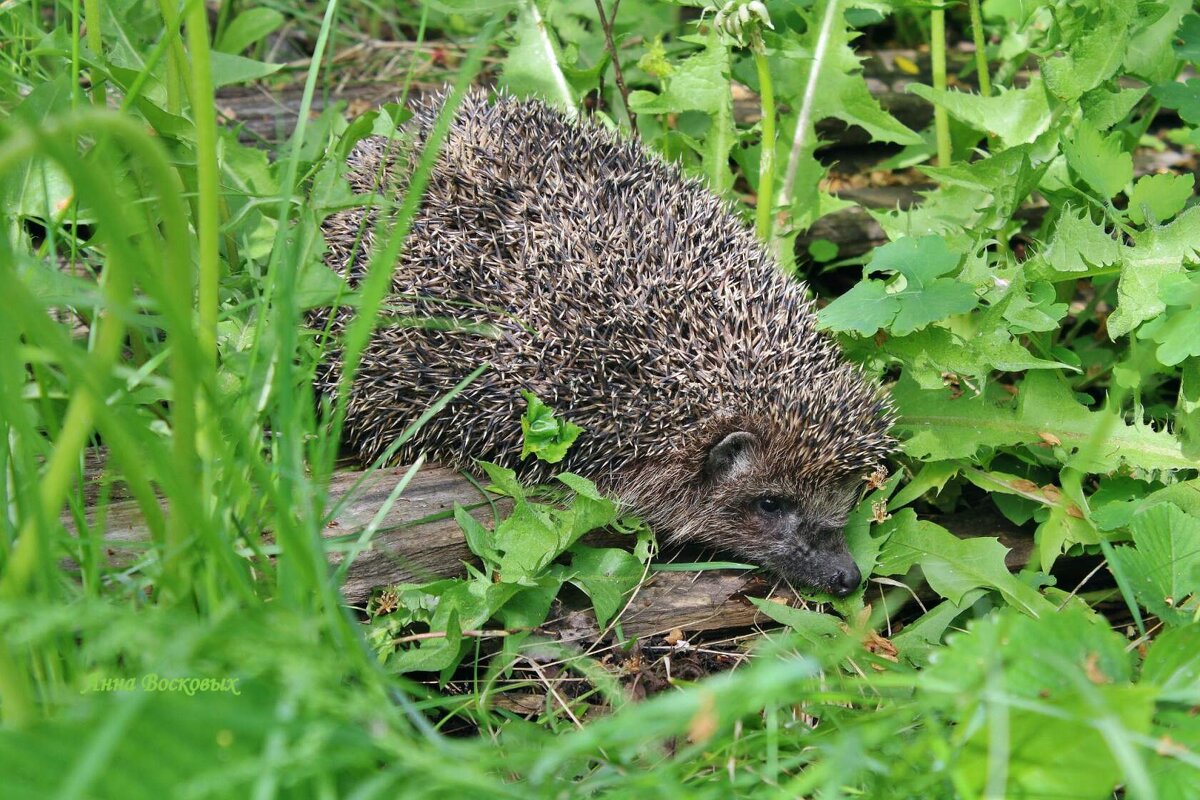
(1163, 567)
(952, 566)
(1163, 196)
(607, 575)
(1099, 160)
(1078, 243)
(1104, 107)
(1156, 253)
(941, 426)
(1096, 52)
(1014, 116)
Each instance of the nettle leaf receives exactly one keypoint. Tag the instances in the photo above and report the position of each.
(1178, 330)
(1163, 566)
(606, 575)
(1157, 198)
(920, 296)
(953, 566)
(1078, 243)
(1095, 54)
(1099, 160)
(1156, 253)
(942, 426)
(1183, 97)
(545, 435)
(1014, 116)
(934, 351)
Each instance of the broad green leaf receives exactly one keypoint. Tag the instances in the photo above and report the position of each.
(229, 69)
(1014, 116)
(1095, 53)
(817, 629)
(248, 27)
(1157, 252)
(1104, 107)
(1100, 160)
(952, 566)
(1078, 243)
(1163, 196)
(1187, 44)
(607, 575)
(921, 298)
(1149, 55)
(934, 351)
(1183, 97)
(533, 66)
(941, 426)
(479, 538)
(1173, 665)
(1177, 331)
(1163, 566)
(527, 540)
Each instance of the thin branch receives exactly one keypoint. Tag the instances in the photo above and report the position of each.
(606, 23)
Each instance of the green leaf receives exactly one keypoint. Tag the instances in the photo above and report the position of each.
(1183, 97)
(817, 629)
(1094, 54)
(941, 426)
(479, 538)
(1104, 107)
(1078, 243)
(1178, 330)
(607, 575)
(1014, 116)
(229, 69)
(1173, 665)
(1157, 198)
(952, 566)
(247, 28)
(1157, 253)
(528, 540)
(1187, 44)
(1163, 567)
(1099, 160)
(532, 68)
(545, 435)
(700, 83)
(921, 298)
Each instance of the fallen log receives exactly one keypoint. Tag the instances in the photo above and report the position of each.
(418, 540)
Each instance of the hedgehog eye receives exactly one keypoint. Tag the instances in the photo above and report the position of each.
(768, 505)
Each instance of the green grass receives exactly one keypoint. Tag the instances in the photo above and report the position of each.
(194, 374)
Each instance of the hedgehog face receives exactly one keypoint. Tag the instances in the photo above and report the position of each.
(758, 508)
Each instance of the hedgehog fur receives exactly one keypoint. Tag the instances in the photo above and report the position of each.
(633, 302)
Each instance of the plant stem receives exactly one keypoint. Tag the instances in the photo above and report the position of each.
(766, 158)
(606, 23)
(937, 49)
(981, 64)
(91, 19)
(207, 176)
(566, 99)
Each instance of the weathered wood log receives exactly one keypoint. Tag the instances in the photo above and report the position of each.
(418, 540)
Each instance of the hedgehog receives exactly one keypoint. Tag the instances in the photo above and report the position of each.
(633, 301)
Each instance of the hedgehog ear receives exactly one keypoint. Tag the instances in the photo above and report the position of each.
(729, 456)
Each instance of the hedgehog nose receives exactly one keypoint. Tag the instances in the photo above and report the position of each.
(846, 580)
